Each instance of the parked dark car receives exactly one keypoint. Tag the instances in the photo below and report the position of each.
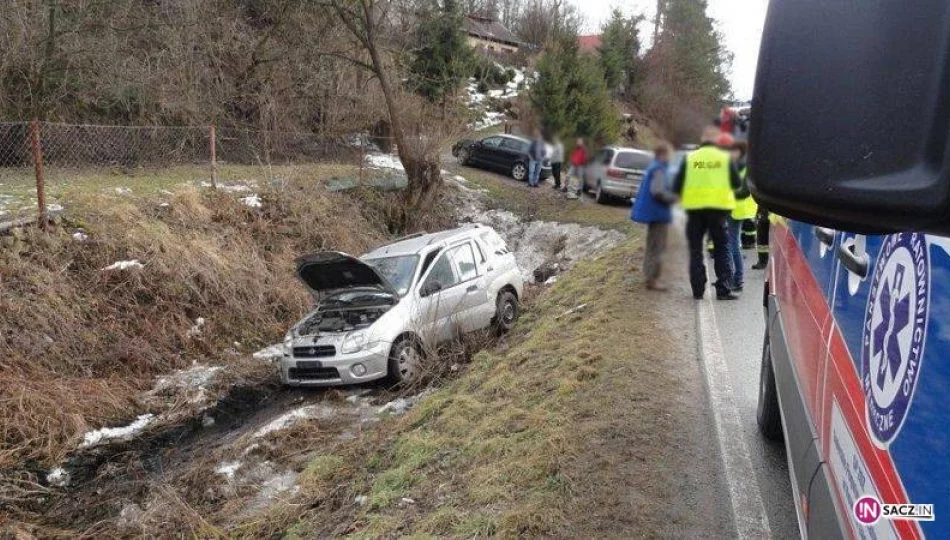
(504, 153)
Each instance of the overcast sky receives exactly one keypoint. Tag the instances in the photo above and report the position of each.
(740, 21)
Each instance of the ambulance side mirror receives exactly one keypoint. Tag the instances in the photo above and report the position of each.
(851, 115)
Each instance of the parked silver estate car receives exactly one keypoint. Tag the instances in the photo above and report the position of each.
(616, 172)
(377, 312)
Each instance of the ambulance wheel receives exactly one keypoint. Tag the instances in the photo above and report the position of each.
(768, 415)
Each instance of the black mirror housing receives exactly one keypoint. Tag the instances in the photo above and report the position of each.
(851, 115)
(430, 288)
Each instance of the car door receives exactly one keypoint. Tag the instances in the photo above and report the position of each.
(883, 391)
(445, 296)
(488, 152)
(470, 312)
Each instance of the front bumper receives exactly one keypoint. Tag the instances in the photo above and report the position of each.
(335, 370)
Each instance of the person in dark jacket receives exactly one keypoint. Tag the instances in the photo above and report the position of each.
(536, 154)
(652, 208)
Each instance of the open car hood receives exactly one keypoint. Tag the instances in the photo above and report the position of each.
(329, 271)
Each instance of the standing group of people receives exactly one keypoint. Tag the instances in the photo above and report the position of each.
(554, 152)
(712, 187)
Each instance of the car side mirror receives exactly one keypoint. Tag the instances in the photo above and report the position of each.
(430, 288)
(850, 125)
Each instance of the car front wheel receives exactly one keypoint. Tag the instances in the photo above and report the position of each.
(768, 415)
(599, 196)
(519, 172)
(464, 156)
(507, 310)
(405, 361)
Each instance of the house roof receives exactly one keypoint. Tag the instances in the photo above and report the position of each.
(588, 43)
(490, 29)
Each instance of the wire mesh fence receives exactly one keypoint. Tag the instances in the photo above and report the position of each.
(37, 157)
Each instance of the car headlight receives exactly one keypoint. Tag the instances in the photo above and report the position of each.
(353, 342)
(288, 342)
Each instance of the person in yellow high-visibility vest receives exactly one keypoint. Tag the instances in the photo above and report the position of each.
(745, 210)
(706, 184)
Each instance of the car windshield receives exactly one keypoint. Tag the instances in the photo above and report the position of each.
(632, 160)
(398, 271)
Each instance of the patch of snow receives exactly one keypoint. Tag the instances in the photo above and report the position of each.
(164, 205)
(193, 378)
(130, 517)
(123, 433)
(361, 499)
(284, 421)
(228, 469)
(399, 406)
(58, 477)
(384, 161)
(80, 236)
(122, 191)
(54, 208)
(537, 242)
(273, 352)
(551, 280)
(253, 201)
(407, 500)
(124, 265)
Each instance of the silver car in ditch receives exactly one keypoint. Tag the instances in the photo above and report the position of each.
(377, 314)
(616, 172)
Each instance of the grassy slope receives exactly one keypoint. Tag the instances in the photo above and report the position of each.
(565, 429)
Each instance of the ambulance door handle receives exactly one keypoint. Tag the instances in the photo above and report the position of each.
(854, 257)
(825, 236)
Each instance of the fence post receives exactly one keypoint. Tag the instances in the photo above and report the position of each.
(38, 168)
(214, 159)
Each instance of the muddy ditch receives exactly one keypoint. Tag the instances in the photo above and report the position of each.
(209, 441)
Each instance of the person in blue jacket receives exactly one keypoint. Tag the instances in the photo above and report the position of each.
(653, 208)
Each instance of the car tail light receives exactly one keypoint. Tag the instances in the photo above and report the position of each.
(616, 173)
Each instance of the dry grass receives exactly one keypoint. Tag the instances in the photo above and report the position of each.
(78, 343)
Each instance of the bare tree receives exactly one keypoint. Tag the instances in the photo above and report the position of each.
(368, 22)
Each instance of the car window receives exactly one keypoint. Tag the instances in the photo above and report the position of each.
(464, 259)
(605, 156)
(492, 142)
(481, 252)
(632, 160)
(398, 271)
(443, 272)
(514, 144)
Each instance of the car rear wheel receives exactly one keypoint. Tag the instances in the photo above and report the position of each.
(519, 172)
(464, 156)
(405, 361)
(507, 310)
(599, 196)
(768, 415)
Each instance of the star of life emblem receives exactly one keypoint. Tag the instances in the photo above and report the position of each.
(895, 331)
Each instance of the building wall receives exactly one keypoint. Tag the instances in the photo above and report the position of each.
(494, 46)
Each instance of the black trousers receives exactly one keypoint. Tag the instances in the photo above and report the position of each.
(556, 173)
(698, 223)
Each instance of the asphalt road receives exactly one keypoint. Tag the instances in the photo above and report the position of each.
(741, 328)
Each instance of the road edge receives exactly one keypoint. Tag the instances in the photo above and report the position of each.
(748, 510)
